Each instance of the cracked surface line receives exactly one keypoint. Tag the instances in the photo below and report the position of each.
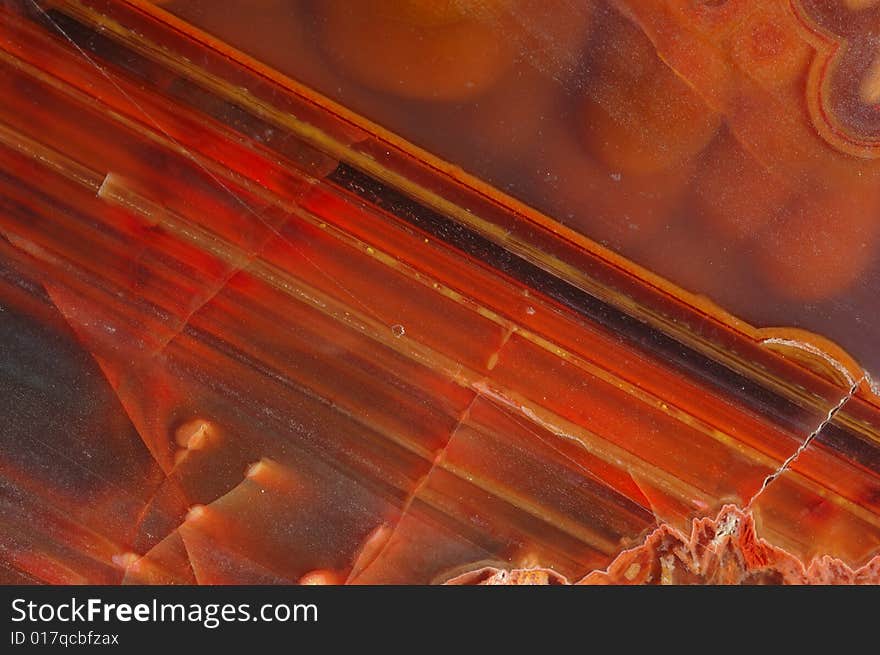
(185, 548)
(441, 453)
(123, 404)
(797, 453)
(276, 231)
(152, 506)
(53, 301)
(188, 522)
(210, 297)
(159, 487)
(438, 458)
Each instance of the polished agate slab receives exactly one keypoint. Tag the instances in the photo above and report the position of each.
(729, 146)
(258, 339)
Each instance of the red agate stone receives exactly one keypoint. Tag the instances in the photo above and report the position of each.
(255, 338)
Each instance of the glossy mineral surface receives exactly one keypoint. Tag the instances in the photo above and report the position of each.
(730, 146)
(250, 337)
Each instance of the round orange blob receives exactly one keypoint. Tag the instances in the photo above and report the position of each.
(511, 119)
(735, 195)
(638, 115)
(617, 209)
(768, 47)
(553, 42)
(440, 49)
(821, 243)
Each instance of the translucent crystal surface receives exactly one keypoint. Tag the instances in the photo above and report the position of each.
(251, 337)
